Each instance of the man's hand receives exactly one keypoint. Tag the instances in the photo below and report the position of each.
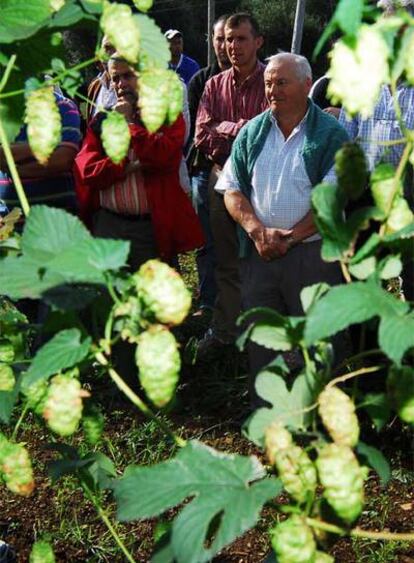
(271, 243)
(126, 108)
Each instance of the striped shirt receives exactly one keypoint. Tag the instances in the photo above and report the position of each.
(224, 108)
(126, 196)
(57, 191)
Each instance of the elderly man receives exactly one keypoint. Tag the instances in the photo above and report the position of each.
(267, 183)
(183, 65)
(139, 199)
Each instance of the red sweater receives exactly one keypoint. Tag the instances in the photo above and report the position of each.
(176, 225)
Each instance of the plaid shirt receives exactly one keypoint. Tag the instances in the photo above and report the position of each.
(382, 126)
(224, 108)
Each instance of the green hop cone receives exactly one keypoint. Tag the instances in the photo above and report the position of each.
(400, 216)
(293, 541)
(163, 292)
(56, 5)
(118, 23)
(143, 5)
(16, 468)
(159, 363)
(128, 316)
(400, 386)
(408, 45)
(343, 480)
(351, 170)
(6, 350)
(42, 552)
(36, 395)
(44, 126)
(382, 187)
(63, 406)
(295, 469)
(337, 412)
(175, 97)
(7, 379)
(154, 98)
(93, 425)
(115, 136)
(322, 557)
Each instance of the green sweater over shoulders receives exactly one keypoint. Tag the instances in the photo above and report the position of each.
(323, 137)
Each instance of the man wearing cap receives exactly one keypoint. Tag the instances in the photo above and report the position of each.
(183, 65)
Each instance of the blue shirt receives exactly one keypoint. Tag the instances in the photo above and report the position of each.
(186, 68)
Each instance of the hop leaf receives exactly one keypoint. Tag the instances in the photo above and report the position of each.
(295, 469)
(36, 395)
(382, 187)
(44, 124)
(115, 136)
(143, 5)
(351, 170)
(366, 71)
(163, 292)
(159, 363)
(16, 468)
(293, 541)
(175, 97)
(343, 480)
(400, 385)
(337, 412)
(6, 350)
(7, 379)
(63, 406)
(154, 97)
(409, 57)
(118, 23)
(42, 552)
(93, 424)
(400, 216)
(128, 319)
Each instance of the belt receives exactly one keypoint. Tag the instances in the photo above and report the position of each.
(132, 218)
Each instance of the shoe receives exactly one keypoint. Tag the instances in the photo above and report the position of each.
(210, 347)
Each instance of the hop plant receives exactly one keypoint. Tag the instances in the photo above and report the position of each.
(366, 66)
(163, 292)
(42, 552)
(16, 468)
(118, 23)
(128, 316)
(382, 187)
(351, 170)
(36, 395)
(93, 424)
(44, 125)
(159, 363)
(400, 385)
(6, 350)
(154, 97)
(115, 136)
(400, 216)
(409, 57)
(322, 557)
(7, 379)
(295, 469)
(293, 541)
(175, 97)
(343, 480)
(63, 406)
(143, 5)
(337, 412)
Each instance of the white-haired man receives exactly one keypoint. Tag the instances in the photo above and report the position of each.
(267, 182)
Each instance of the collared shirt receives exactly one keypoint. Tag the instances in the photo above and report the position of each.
(281, 188)
(186, 68)
(224, 108)
(382, 126)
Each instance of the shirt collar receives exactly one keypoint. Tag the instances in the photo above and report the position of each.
(251, 78)
(299, 127)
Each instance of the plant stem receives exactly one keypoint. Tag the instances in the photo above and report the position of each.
(7, 72)
(133, 397)
(13, 171)
(352, 374)
(18, 423)
(358, 356)
(345, 272)
(104, 517)
(359, 533)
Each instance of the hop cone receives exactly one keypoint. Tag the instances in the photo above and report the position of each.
(43, 123)
(115, 136)
(338, 415)
(295, 469)
(122, 30)
(351, 170)
(63, 407)
(400, 384)
(42, 552)
(382, 187)
(6, 350)
(293, 541)
(16, 468)
(158, 362)
(143, 5)
(36, 395)
(93, 424)
(154, 97)
(7, 379)
(400, 216)
(163, 292)
(343, 480)
(175, 97)
(322, 557)
(128, 319)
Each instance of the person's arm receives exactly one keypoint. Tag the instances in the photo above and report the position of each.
(60, 161)
(302, 230)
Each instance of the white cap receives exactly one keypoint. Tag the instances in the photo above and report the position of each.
(171, 33)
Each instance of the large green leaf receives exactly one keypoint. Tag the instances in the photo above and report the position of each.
(154, 47)
(378, 408)
(70, 14)
(375, 459)
(7, 401)
(22, 18)
(348, 304)
(348, 15)
(20, 277)
(63, 351)
(286, 405)
(396, 335)
(220, 485)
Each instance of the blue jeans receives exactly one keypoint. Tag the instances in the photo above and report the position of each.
(205, 258)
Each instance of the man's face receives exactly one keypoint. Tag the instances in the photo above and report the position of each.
(285, 92)
(219, 44)
(123, 80)
(241, 44)
(176, 46)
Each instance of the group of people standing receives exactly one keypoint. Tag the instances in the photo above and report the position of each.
(255, 145)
